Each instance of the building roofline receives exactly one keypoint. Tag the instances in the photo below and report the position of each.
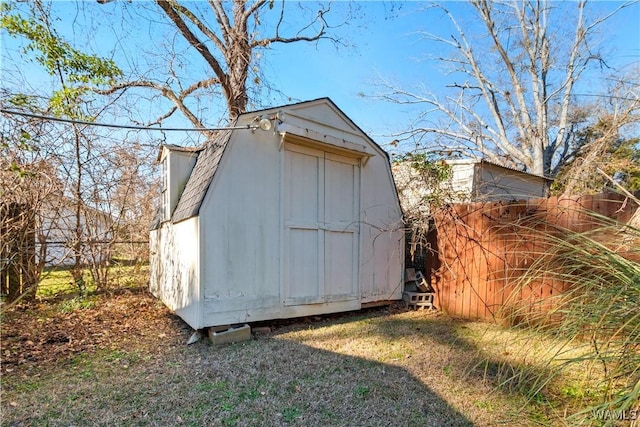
(473, 161)
(334, 105)
(179, 148)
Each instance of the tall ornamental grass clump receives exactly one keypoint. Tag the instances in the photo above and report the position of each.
(596, 317)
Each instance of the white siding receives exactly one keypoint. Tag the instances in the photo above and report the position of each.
(462, 181)
(471, 180)
(382, 235)
(175, 270)
(57, 232)
(412, 191)
(241, 232)
(496, 183)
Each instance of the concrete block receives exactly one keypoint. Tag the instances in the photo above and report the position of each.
(418, 300)
(421, 306)
(231, 335)
(418, 297)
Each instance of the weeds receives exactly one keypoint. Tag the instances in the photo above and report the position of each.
(594, 321)
(291, 413)
(77, 303)
(362, 391)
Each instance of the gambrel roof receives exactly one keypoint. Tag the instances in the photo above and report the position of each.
(210, 154)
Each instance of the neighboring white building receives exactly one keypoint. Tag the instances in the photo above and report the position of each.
(56, 234)
(482, 180)
(472, 180)
(296, 216)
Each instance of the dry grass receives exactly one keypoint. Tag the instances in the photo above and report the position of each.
(373, 368)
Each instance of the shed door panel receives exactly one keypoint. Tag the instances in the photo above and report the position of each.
(341, 205)
(303, 264)
(321, 237)
(303, 186)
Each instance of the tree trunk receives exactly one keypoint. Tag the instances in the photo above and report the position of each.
(77, 271)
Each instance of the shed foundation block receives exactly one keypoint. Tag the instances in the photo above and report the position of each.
(231, 335)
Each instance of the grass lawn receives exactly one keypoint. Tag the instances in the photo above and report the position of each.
(123, 361)
(58, 282)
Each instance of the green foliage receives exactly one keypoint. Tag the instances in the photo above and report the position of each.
(77, 70)
(362, 391)
(9, 147)
(53, 53)
(59, 282)
(27, 386)
(290, 413)
(78, 303)
(432, 174)
(628, 154)
(601, 147)
(436, 170)
(21, 172)
(22, 100)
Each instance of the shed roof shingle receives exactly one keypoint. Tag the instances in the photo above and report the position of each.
(201, 176)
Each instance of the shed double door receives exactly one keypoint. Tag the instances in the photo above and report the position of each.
(321, 203)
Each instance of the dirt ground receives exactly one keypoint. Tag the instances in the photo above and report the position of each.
(37, 335)
(123, 360)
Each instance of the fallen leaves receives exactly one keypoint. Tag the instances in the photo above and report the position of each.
(41, 335)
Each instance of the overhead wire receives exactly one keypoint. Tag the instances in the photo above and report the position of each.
(118, 126)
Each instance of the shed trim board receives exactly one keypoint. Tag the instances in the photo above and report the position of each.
(323, 142)
(301, 220)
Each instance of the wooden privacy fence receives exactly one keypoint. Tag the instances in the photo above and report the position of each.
(480, 250)
(17, 249)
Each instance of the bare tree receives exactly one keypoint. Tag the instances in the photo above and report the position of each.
(86, 165)
(515, 101)
(226, 38)
(610, 144)
(70, 67)
(27, 181)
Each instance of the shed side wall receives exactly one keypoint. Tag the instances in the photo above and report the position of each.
(241, 232)
(497, 183)
(382, 236)
(174, 269)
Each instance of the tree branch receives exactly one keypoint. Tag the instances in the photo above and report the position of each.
(200, 47)
(277, 38)
(202, 27)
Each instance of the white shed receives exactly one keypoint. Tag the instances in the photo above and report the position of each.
(292, 213)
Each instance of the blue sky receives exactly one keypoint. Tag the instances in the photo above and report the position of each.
(384, 44)
(392, 49)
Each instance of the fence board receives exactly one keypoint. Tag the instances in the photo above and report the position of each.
(481, 249)
(17, 249)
